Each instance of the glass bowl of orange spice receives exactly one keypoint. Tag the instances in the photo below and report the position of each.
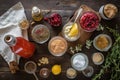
(102, 42)
(57, 46)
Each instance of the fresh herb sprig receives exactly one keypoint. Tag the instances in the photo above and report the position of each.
(112, 61)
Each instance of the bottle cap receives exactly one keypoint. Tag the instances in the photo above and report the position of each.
(10, 40)
(35, 10)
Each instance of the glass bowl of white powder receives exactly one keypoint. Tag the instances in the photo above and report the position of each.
(79, 61)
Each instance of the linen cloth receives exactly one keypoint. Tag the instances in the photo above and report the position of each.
(9, 24)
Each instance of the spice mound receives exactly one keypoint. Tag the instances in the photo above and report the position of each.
(98, 58)
(110, 10)
(57, 46)
(40, 34)
(89, 21)
(102, 42)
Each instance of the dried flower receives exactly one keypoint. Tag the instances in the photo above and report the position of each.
(88, 44)
(77, 48)
(100, 28)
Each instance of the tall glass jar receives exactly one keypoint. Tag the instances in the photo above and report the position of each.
(36, 14)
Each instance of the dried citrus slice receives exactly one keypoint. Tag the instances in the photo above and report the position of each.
(56, 69)
(74, 30)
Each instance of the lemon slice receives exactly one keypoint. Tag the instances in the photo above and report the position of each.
(74, 30)
(56, 69)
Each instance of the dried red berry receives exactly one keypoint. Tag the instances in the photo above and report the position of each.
(54, 19)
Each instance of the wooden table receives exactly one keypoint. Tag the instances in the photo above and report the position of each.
(65, 8)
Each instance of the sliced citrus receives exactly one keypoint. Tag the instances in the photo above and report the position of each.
(56, 69)
(74, 30)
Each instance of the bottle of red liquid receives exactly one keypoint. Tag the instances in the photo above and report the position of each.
(20, 46)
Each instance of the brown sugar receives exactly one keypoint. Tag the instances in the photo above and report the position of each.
(102, 42)
(97, 58)
(110, 10)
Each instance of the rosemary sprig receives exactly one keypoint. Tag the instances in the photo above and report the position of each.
(112, 60)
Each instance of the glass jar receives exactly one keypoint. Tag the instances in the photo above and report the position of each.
(36, 14)
(108, 11)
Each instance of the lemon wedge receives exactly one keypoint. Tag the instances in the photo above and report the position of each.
(74, 30)
(56, 69)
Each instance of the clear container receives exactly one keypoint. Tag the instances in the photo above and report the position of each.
(30, 67)
(57, 46)
(108, 39)
(66, 30)
(24, 24)
(79, 61)
(36, 14)
(98, 58)
(44, 72)
(40, 34)
(89, 21)
(108, 11)
(71, 73)
(88, 72)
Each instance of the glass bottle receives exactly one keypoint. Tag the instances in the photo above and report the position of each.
(20, 46)
(36, 14)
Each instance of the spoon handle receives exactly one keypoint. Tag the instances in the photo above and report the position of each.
(79, 11)
(35, 76)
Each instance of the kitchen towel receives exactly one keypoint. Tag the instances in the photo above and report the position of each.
(9, 24)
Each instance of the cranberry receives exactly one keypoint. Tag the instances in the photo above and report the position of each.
(89, 21)
(54, 19)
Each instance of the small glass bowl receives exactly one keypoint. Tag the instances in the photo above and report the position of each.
(87, 23)
(101, 61)
(57, 43)
(44, 72)
(79, 61)
(40, 34)
(106, 48)
(71, 73)
(65, 34)
(88, 72)
(24, 24)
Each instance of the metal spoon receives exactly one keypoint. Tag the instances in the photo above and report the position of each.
(30, 67)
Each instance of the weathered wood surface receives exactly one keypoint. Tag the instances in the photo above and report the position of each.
(66, 9)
